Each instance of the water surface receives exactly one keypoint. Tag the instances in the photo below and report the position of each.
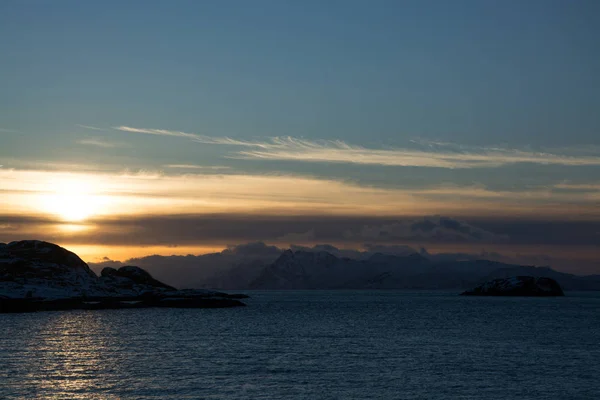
(311, 345)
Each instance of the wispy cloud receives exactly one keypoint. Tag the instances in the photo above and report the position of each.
(289, 148)
(94, 128)
(97, 143)
(192, 136)
(15, 164)
(433, 155)
(579, 186)
(7, 130)
(197, 167)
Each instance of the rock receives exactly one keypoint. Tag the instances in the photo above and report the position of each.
(107, 272)
(37, 275)
(132, 280)
(45, 270)
(139, 276)
(518, 286)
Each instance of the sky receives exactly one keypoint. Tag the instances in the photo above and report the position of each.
(136, 127)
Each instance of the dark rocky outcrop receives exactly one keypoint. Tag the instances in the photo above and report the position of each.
(518, 286)
(32, 260)
(36, 275)
(131, 275)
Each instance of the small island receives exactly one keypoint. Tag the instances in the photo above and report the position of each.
(42, 276)
(529, 286)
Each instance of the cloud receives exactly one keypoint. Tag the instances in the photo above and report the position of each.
(354, 253)
(197, 167)
(295, 237)
(156, 193)
(192, 136)
(218, 230)
(394, 249)
(253, 249)
(427, 229)
(588, 187)
(8, 130)
(20, 165)
(93, 128)
(574, 242)
(435, 155)
(97, 143)
(337, 151)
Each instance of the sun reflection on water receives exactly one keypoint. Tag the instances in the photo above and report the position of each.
(72, 349)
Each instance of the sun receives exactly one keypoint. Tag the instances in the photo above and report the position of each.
(72, 200)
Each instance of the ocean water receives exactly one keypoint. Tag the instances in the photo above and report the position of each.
(311, 345)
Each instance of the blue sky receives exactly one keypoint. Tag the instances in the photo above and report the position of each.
(472, 72)
(494, 102)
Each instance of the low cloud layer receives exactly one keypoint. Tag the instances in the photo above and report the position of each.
(354, 231)
(427, 229)
(97, 143)
(568, 245)
(197, 167)
(158, 193)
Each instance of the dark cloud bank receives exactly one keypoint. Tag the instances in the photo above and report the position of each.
(350, 230)
(449, 238)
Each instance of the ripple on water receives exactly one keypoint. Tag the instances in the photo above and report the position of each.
(351, 345)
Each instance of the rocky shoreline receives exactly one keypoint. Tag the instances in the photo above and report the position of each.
(528, 286)
(41, 276)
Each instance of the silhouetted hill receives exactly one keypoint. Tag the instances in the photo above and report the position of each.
(309, 270)
(36, 275)
(259, 266)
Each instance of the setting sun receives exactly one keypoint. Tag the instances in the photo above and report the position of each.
(73, 200)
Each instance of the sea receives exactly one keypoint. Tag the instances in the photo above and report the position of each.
(311, 345)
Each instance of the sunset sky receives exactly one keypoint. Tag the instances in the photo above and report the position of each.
(130, 128)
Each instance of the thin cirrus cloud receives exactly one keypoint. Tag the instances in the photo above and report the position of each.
(437, 155)
(197, 167)
(93, 128)
(192, 136)
(579, 186)
(97, 143)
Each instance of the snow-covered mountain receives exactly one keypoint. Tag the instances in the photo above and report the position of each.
(306, 270)
(260, 266)
(322, 270)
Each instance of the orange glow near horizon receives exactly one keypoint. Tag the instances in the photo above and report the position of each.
(78, 197)
(573, 254)
(97, 253)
